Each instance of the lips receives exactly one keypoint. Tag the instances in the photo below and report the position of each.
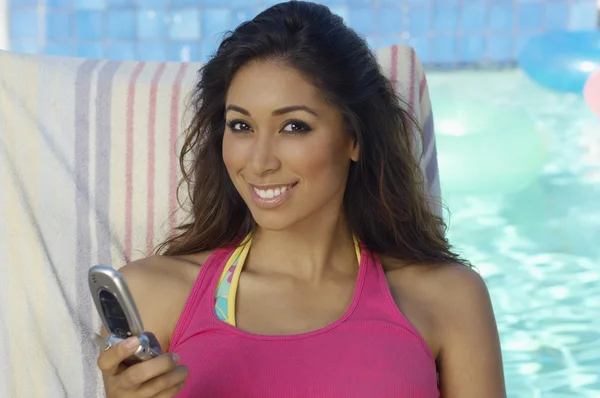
(271, 193)
(271, 196)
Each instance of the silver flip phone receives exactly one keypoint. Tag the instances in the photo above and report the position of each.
(119, 313)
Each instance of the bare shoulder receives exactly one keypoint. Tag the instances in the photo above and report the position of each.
(166, 269)
(427, 295)
(450, 305)
(160, 286)
(448, 289)
(448, 285)
(457, 294)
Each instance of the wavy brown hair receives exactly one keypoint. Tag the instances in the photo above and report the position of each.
(384, 200)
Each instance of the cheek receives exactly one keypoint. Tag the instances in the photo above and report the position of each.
(320, 162)
(232, 155)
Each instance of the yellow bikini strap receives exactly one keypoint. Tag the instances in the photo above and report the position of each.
(239, 257)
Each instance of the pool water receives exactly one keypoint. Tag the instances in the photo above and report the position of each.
(538, 249)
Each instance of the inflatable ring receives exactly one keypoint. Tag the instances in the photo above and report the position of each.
(486, 150)
(561, 61)
(591, 92)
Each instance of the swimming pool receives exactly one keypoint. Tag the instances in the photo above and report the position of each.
(539, 249)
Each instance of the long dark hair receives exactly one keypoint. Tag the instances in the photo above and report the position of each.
(384, 200)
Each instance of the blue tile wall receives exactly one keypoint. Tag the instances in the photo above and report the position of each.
(89, 26)
(120, 25)
(443, 32)
(24, 24)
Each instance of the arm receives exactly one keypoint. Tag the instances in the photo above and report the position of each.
(470, 361)
(160, 287)
(141, 276)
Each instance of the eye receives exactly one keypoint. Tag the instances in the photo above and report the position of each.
(295, 127)
(238, 126)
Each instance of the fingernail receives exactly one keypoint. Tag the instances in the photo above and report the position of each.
(101, 342)
(132, 342)
(175, 357)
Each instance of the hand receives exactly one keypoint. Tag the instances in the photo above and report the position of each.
(160, 377)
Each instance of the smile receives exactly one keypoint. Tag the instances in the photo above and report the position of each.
(271, 196)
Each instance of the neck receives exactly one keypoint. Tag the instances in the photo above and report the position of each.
(308, 251)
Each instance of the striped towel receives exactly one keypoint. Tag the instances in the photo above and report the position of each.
(88, 175)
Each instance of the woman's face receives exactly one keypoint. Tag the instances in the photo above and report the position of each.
(285, 148)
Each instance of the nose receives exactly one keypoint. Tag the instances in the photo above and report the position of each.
(263, 158)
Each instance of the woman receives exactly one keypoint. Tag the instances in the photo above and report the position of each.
(302, 176)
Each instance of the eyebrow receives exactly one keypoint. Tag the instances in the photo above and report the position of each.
(276, 112)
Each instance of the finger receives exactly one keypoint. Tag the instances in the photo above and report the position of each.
(109, 360)
(171, 392)
(164, 383)
(140, 373)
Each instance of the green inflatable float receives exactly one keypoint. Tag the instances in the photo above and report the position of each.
(485, 149)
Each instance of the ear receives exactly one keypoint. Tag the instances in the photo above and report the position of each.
(355, 152)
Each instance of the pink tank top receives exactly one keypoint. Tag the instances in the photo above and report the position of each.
(371, 351)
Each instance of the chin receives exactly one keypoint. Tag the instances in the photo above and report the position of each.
(273, 222)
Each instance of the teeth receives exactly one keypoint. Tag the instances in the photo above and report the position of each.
(270, 193)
